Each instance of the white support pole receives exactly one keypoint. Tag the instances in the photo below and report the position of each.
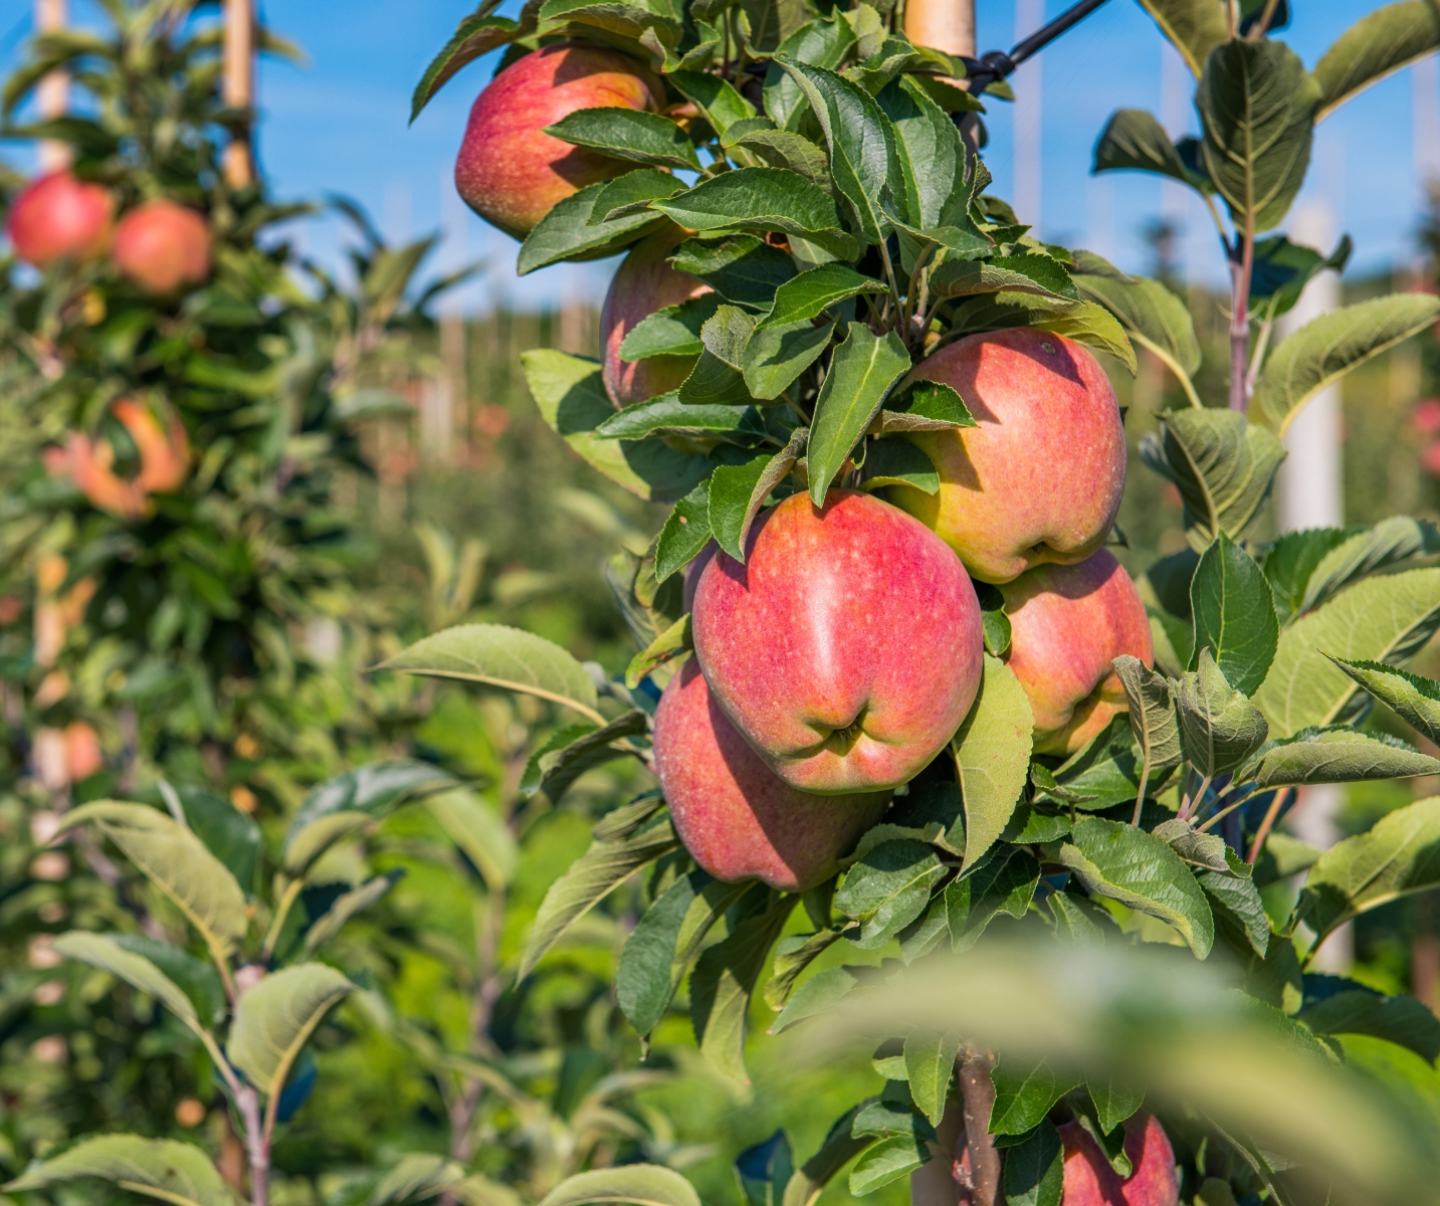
(1029, 119)
(1310, 494)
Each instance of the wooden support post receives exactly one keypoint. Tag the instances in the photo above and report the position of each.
(54, 91)
(238, 89)
(947, 25)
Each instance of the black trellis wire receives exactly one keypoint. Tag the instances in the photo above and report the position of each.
(995, 65)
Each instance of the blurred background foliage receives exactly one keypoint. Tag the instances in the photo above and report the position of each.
(368, 472)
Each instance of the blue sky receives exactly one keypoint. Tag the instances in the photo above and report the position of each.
(339, 123)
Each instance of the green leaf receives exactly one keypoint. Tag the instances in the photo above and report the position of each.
(1378, 619)
(888, 887)
(881, 1163)
(1024, 273)
(1194, 27)
(670, 331)
(349, 802)
(929, 1066)
(992, 756)
(1233, 614)
(1206, 850)
(667, 646)
(931, 156)
(1153, 720)
(814, 291)
(1328, 347)
(592, 877)
(898, 462)
(667, 415)
(1222, 465)
(1151, 315)
(1024, 1094)
(553, 768)
(686, 532)
(1219, 727)
(1397, 857)
(1101, 774)
(1282, 269)
(777, 355)
(762, 199)
(1113, 1102)
(1257, 106)
(109, 953)
(163, 1169)
(416, 1177)
(1365, 551)
(499, 656)
(861, 141)
(1358, 1010)
(644, 982)
(1238, 908)
(1290, 561)
(743, 269)
(173, 859)
(1414, 699)
(1380, 43)
(815, 997)
(718, 101)
(636, 1184)
(571, 398)
(723, 982)
(717, 375)
(766, 147)
(824, 42)
(1034, 1171)
(579, 226)
(347, 905)
(863, 370)
(632, 134)
(793, 956)
(1121, 863)
(738, 492)
(1003, 883)
(923, 406)
(275, 1019)
(1134, 140)
(477, 34)
(615, 21)
(1340, 755)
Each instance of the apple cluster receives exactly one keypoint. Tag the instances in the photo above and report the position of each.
(840, 659)
(159, 246)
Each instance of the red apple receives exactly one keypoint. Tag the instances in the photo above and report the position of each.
(642, 284)
(735, 817)
(1090, 1181)
(161, 247)
(58, 217)
(847, 648)
(163, 455)
(1039, 478)
(1068, 623)
(510, 171)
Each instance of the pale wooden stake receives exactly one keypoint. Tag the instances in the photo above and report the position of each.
(238, 89)
(54, 91)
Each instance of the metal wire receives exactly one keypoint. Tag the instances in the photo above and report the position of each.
(996, 65)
